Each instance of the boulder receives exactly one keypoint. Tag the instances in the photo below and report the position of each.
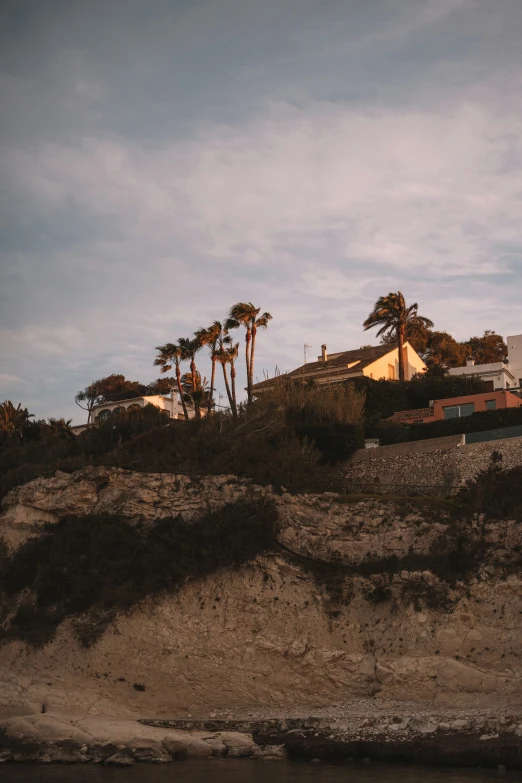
(120, 759)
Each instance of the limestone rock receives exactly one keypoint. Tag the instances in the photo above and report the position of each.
(120, 759)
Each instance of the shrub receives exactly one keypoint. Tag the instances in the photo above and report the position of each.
(476, 422)
(494, 491)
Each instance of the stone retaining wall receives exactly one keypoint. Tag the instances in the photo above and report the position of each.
(446, 469)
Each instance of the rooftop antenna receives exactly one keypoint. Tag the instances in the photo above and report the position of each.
(305, 346)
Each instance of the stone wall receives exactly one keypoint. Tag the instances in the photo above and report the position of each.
(446, 469)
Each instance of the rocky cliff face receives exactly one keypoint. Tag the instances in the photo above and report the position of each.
(363, 601)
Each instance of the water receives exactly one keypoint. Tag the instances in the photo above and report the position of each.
(247, 771)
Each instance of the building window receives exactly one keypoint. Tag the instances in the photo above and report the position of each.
(104, 415)
(491, 405)
(391, 372)
(119, 411)
(457, 411)
(134, 407)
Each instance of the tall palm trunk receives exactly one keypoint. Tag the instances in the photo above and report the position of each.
(252, 352)
(180, 392)
(400, 345)
(233, 377)
(212, 379)
(195, 400)
(227, 387)
(248, 341)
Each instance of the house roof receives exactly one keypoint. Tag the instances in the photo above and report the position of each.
(338, 364)
(413, 413)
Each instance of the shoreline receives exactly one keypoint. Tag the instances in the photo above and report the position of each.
(437, 739)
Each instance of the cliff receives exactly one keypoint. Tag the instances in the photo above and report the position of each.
(373, 603)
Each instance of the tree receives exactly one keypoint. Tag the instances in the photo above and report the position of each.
(161, 386)
(489, 348)
(223, 358)
(196, 392)
(13, 420)
(109, 389)
(58, 428)
(247, 315)
(189, 348)
(232, 353)
(417, 337)
(211, 337)
(171, 355)
(442, 349)
(391, 314)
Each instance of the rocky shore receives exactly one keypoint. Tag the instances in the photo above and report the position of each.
(437, 738)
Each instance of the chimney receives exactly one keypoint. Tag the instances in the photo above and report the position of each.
(470, 361)
(324, 353)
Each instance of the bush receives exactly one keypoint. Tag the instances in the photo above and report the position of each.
(476, 422)
(336, 442)
(494, 491)
(99, 565)
(42, 451)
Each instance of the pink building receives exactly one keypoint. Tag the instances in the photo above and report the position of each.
(455, 407)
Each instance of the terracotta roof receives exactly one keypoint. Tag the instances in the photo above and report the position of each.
(338, 364)
(414, 413)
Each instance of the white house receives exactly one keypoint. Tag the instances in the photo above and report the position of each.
(496, 375)
(102, 412)
(171, 405)
(514, 344)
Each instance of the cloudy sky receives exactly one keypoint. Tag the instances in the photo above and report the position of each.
(163, 159)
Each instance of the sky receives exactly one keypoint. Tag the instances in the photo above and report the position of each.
(161, 160)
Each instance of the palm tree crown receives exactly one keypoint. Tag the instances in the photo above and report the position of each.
(211, 337)
(171, 355)
(394, 317)
(13, 420)
(247, 315)
(189, 348)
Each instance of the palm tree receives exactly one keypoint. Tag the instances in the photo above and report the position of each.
(393, 317)
(13, 420)
(189, 348)
(60, 428)
(247, 315)
(169, 355)
(197, 394)
(232, 354)
(211, 337)
(223, 358)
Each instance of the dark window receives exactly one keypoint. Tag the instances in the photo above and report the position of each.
(491, 405)
(451, 412)
(489, 386)
(457, 411)
(104, 415)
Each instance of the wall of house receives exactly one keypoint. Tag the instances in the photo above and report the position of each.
(164, 403)
(447, 469)
(496, 372)
(514, 344)
(379, 369)
(503, 399)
